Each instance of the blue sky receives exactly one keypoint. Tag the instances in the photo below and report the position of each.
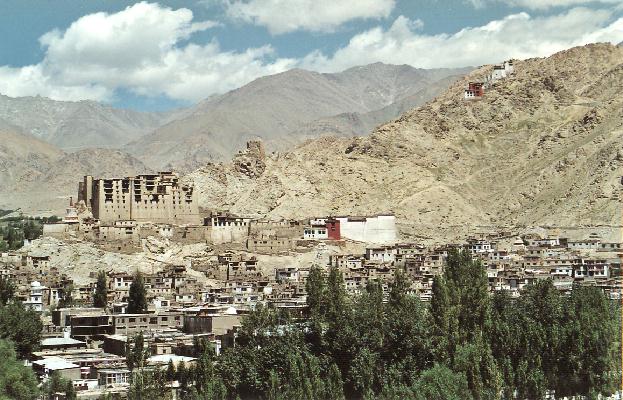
(158, 55)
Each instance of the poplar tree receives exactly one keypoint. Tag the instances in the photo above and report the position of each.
(137, 297)
(315, 288)
(7, 290)
(100, 298)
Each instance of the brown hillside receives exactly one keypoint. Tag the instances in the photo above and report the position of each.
(544, 147)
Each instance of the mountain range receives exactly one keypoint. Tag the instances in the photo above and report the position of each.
(543, 146)
(47, 145)
(287, 108)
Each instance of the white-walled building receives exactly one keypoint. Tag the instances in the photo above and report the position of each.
(378, 229)
(35, 301)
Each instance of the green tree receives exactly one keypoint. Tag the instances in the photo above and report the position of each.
(315, 288)
(544, 307)
(476, 362)
(16, 380)
(66, 298)
(335, 386)
(22, 326)
(137, 297)
(335, 298)
(441, 383)
(7, 290)
(100, 297)
(444, 322)
(171, 371)
(57, 384)
(592, 345)
(136, 353)
(363, 372)
(407, 342)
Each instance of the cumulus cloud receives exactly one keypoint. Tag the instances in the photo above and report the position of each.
(148, 49)
(282, 16)
(515, 36)
(138, 49)
(542, 4)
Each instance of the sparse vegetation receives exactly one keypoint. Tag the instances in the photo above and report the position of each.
(14, 230)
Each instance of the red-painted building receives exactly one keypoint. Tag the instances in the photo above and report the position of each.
(474, 90)
(477, 88)
(333, 229)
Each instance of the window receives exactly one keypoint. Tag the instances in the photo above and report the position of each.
(131, 319)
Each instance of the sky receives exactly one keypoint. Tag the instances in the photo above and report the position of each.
(156, 56)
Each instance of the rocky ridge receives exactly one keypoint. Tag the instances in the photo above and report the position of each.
(287, 108)
(543, 147)
(74, 125)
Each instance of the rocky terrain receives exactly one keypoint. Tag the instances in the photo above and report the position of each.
(39, 178)
(543, 147)
(73, 125)
(283, 109)
(287, 108)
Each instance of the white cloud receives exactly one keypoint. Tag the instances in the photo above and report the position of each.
(147, 49)
(138, 49)
(542, 4)
(282, 16)
(515, 36)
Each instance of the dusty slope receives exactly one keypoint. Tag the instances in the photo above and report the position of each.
(543, 147)
(45, 184)
(76, 125)
(278, 108)
(22, 156)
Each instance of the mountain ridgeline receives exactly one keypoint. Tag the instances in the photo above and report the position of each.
(285, 109)
(543, 146)
(47, 145)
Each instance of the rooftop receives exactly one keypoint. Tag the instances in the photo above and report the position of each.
(59, 341)
(55, 363)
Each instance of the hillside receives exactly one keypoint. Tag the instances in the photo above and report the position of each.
(281, 110)
(23, 158)
(544, 147)
(76, 125)
(49, 177)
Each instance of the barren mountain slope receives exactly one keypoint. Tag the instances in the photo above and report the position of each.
(354, 123)
(23, 158)
(544, 146)
(75, 125)
(48, 190)
(277, 108)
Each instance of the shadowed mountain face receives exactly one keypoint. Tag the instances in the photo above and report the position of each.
(287, 108)
(543, 146)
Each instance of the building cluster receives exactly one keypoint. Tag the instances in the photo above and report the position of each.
(88, 345)
(476, 90)
(511, 263)
(120, 214)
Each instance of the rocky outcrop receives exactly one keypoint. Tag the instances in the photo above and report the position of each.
(252, 161)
